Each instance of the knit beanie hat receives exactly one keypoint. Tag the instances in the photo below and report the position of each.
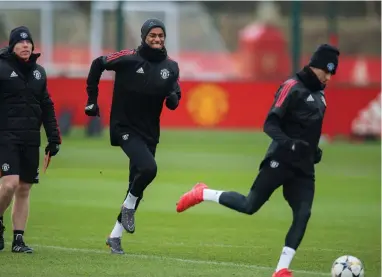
(150, 24)
(19, 34)
(325, 58)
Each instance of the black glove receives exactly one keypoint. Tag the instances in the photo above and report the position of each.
(92, 108)
(172, 101)
(52, 149)
(318, 155)
(299, 147)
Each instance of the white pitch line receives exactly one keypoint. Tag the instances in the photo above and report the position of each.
(141, 256)
(218, 245)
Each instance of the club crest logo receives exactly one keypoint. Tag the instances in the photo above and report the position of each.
(330, 67)
(37, 74)
(164, 73)
(5, 167)
(274, 164)
(208, 104)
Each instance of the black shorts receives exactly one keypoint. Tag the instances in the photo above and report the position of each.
(20, 160)
(298, 188)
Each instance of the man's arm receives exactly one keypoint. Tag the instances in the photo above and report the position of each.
(172, 101)
(49, 121)
(284, 99)
(110, 62)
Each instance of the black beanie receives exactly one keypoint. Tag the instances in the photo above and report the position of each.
(325, 58)
(150, 24)
(18, 34)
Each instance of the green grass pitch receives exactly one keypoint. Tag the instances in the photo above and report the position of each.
(74, 208)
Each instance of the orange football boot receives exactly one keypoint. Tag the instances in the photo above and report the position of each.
(283, 273)
(191, 198)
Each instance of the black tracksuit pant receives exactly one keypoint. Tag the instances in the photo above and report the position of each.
(143, 167)
(298, 190)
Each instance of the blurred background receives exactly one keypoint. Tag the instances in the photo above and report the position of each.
(233, 56)
(244, 48)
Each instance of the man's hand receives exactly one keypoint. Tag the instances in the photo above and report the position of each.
(52, 149)
(318, 156)
(92, 108)
(172, 101)
(299, 147)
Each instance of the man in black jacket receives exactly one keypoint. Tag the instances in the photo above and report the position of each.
(24, 106)
(294, 123)
(145, 78)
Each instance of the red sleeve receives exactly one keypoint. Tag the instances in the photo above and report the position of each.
(283, 98)
(114, 60)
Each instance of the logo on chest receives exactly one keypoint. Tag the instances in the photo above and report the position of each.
(164, 73)
(37, 74)
(311, 99)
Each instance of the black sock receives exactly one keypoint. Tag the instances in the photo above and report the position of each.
(1, 220)
(17, 234)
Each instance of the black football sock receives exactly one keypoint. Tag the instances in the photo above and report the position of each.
(17, 234)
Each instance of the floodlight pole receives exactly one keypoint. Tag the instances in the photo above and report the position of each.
(46, 27)
(332, 23)
(96, 29)
(120, 31)
(296, 35)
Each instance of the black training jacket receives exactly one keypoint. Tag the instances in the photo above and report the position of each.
(25, 104)
(140, 89)
(296, 113)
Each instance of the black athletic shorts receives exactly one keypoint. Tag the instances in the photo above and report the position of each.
(20, 160)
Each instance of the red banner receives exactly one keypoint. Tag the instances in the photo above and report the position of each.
(230, 105)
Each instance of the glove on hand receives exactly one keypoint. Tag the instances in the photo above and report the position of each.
(92, 108)
(299, 147)
(52, 149)
(172, 101)
(318, 156)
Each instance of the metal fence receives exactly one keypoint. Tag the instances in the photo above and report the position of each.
(203, 37)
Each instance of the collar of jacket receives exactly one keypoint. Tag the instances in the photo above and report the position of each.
(151, 54)
(309, 79)
(23, 66)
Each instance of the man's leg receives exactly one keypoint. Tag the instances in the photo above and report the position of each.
(140, 156)
(20, 213)
(266, 182)
(7, 189)
(133, 171)
(299, 194)
(9, 171)
(29, 174)
(114, 240)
